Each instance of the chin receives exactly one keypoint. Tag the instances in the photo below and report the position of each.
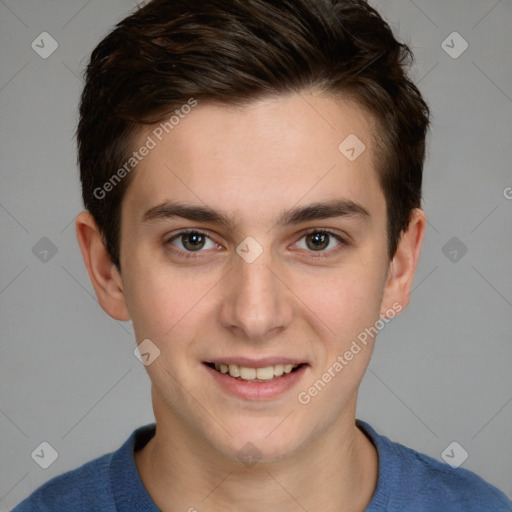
(260, 441)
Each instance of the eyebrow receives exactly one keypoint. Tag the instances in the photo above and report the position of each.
(315, 211)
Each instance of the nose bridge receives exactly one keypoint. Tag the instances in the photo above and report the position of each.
(257, 303)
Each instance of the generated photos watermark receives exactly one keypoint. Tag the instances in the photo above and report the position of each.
(152, 141)
(305, 397)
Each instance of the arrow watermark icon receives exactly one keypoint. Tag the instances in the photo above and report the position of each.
(249, 250)
(146, 352)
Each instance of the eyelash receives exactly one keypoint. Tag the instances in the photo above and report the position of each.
(314, 254)
(186, 254)
(330, 252)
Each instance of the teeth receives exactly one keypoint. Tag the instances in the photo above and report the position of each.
(278, 370)
(234, 370)
(266, 373)
(246, 373)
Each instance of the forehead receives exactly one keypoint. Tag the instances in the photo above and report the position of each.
(253, 161)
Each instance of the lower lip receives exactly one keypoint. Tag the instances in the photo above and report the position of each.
(257, 390)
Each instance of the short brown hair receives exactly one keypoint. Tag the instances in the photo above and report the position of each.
(233, 52)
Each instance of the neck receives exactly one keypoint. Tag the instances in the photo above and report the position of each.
(182, 471)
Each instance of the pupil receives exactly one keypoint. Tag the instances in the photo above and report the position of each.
(318, 241)
(193, 241)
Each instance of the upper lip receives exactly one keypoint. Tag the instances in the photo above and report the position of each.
(256, 363)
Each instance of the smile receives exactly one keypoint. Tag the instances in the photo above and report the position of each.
(263, 374)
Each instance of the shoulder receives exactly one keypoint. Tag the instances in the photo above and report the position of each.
(453, 489)
(84, 488)
(110, 483)
(410, 480)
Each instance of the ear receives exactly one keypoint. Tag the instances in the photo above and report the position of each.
(403, 265)
(104, 276)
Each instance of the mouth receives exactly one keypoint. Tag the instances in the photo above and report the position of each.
(251, 374)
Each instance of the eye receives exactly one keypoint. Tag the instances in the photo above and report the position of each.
(192, 241)
(319, 240)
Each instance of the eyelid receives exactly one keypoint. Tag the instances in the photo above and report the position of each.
(341, 238)
(343, 241)
(186, 231)
(316, 254)
(188, 254)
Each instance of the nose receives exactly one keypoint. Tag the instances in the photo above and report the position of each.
(257, 305)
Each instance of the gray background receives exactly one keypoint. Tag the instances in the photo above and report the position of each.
(441, 370)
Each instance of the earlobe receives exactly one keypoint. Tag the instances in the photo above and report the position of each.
(103, 274)
(403, 265)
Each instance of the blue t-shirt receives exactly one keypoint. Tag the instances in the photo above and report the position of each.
(408, 481)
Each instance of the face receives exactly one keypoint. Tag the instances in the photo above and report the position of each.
(251, 244)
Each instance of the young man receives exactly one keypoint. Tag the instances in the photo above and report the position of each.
(252, 177)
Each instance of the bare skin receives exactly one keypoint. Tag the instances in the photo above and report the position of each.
(295, 300)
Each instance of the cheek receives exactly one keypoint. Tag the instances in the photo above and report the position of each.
(161, 300)
(345, 300)
(347, 306)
